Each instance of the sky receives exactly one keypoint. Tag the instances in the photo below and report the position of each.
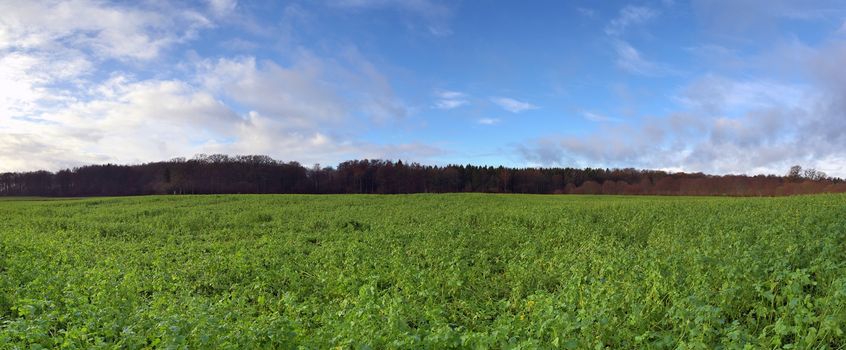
(718, 86)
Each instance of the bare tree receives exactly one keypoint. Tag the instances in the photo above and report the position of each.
(795, 172)
(815, 175)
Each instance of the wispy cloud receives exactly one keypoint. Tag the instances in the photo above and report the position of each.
(449, 99)
(221, 8)
(449, 104)
(434, 13)
(629, 15)
(586, 12)
(512, 105)
(599, 118)
(488, 121)
(630, 60)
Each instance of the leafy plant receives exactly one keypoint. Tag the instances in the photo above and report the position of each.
(423, 272)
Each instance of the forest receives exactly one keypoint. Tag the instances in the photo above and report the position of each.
(223, 174)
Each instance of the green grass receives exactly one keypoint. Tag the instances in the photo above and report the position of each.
(424, 271)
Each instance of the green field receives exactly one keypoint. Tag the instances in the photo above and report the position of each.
(424, 272)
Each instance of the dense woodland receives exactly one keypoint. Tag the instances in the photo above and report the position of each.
(207, 174)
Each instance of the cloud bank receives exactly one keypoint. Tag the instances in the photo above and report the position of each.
(76, 90)
(728, 125)
(740, 87)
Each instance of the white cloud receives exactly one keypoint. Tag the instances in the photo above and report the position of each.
(434, 13)
(107, 31)
(759, 142)
(449, 104)
(717, 95)
(49, 50)
(630, 60)
(127, 122)
(751, 20)
(787, 107)
(222, 8)
(450, 99)
(27, 151)
(726, 126)
(629, 16)
(138, 121)
(371, 89)
(512, 105)
(488, 121)
(57, 110)
(25, 80)
(294, 113)
(261, 134)
(299, 94)
(450, 95)
(596, 117)
(312, 91)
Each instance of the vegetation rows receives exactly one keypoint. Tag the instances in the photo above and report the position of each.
(423, 272)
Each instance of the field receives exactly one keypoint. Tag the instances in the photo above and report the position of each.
(424, 272)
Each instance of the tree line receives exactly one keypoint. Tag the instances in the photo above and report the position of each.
(218, 174)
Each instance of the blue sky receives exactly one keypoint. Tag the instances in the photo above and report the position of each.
(714, 86)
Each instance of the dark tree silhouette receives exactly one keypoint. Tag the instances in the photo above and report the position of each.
(218, 173)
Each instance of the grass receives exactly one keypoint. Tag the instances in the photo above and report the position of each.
(424, 271)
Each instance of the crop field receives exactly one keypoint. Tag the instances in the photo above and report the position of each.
(423, 272)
